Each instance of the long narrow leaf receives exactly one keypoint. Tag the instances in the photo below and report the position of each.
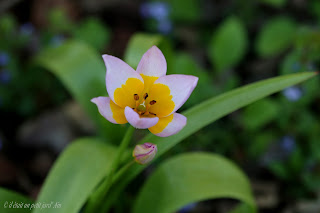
(190, 178)
(77, 172)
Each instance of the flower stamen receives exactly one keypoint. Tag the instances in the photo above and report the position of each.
(143, 108)
(136, 97)
(145, 96)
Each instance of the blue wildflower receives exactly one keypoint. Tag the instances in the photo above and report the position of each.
(279, 151)
(165, 26)
(5, 76)
(292, 93)
(27, 29)
(288, 144)
(4, 58)
(57, 40)
(159, 11)
(156, 10)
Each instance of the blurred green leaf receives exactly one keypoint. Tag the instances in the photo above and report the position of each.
(188, 11)
(276, 36)
(75, 174)
(8, 197)
(82, 72)
(59, 21)
(228, 44)
(260, 113)
(8, 24)
(275, 3)
(189, 178)
(209, 111)
(93, 32)
(296, 161)
(314, 8)
(260, 142)
(140, 43)
(279, 169)
(292, 63)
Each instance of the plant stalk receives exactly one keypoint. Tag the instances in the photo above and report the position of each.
(95, 201)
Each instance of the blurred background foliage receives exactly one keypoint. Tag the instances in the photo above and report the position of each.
(225, 43)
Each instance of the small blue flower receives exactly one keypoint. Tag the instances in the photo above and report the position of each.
(5, 76)
(279, 150)
(4, 58)
(165, 26)
(292, 93)
(27, 29)
(57, 40)
(187, 208)
(156, 10)
(288, 144)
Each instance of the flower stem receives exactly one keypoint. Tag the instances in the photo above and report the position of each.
(98, 196)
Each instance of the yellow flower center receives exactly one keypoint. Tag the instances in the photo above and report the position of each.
(146, 98)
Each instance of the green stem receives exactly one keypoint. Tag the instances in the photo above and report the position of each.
(106, 205)
(97, 198)
(122, 171)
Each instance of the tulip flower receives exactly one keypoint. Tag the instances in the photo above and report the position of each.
(144, 153)
(147, 97)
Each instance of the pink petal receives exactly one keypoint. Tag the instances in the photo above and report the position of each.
(139, 122)
(118, 72)
(181, 87)
(115, 115)
(173, 127)
(153, 63)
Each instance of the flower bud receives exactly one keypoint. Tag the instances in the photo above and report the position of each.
(144, 153)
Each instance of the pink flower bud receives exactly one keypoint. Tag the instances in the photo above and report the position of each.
(144, 153)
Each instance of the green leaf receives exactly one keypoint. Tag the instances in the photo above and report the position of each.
(189, 178)
(82, 72)
(59, 21)
(228, 44)
(262, 140)
(188, 11)
(260, 113)
(93, 32)
(8, 197)
(211, 110)
(75, 175)
(140, 43)
(277, 35)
